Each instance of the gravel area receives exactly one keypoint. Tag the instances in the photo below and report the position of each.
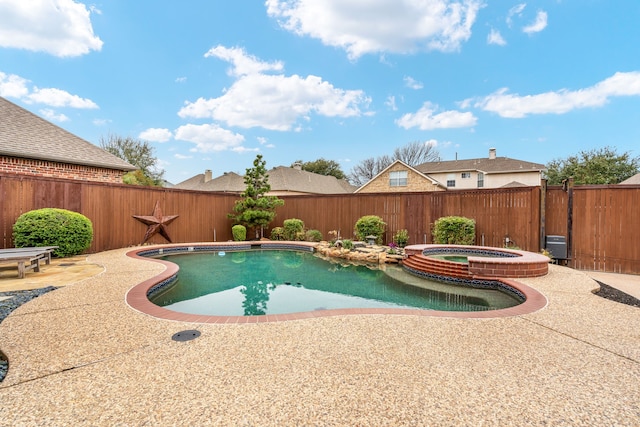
(616, 295)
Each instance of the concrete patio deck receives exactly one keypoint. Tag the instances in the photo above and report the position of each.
(81, 356)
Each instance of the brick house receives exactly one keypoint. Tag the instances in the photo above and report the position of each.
(488, 172)
(31, 145)
(400, 177)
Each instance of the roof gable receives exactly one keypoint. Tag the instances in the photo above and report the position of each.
(25, 135)
(425, 176)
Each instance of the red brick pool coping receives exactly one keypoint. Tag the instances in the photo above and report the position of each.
(137, 298)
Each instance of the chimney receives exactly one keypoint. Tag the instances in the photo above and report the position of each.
(297, 166)
(207, 175)
(492, 153)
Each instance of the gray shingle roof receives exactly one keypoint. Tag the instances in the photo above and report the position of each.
(281, 179)
(25, 135)
(229, 182)
(486, 165)
(635, 179)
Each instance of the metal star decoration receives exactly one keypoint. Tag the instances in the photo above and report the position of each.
(156, 223)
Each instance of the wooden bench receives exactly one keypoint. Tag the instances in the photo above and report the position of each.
(27, 258)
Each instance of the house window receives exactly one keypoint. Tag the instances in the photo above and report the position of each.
(480, 180)
(466, 175)
(451, 183)
(398, 179)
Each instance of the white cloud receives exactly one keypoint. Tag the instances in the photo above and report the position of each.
(391, 103)
(276, 102)
(379, 26)
(426, 119)
(264, 142)
(58, 27)
(431, 143)
(242, 149)
(101, 122)
(515, 10)
(411, 83)
(51, 115)
(538, 25)
(12, 86)
(495, 37)
(562, 101)
(181, 79)
(243, 63)
(209, 137)
(59, 98)
(156, 135)
(182, 156)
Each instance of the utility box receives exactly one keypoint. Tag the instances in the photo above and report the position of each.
(557, 246)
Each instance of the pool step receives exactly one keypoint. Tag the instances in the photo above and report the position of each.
(437, 266)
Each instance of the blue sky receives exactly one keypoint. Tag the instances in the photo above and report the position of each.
(212, 83)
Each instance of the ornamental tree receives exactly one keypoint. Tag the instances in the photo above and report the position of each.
(601, 166)
(256, 210)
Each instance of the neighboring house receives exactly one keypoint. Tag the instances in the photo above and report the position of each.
(283, 181)
(635, 179)
(30, 145)
(490, 172)
(229, 182)
(400, 177)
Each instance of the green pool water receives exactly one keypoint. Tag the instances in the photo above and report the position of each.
(259, 282)
(451, 257)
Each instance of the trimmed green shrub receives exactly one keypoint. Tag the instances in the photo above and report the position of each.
(401, 237)
(313, 236)
(370, 225)
(347, 244)
(239, 233)
(277, 233)
(292, 227)
(454, 230)
(70, 231)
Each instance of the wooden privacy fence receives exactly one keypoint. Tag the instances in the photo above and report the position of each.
(605, 225)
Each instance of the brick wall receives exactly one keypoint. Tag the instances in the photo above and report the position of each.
(415, 182)
(43, 168)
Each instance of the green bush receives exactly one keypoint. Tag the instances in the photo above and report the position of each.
(401, 238)
(70, 231)
(454, 230)
(347, 244)
(277, 233)
(239, 233)
(370, 225)
(292, 227)
(313, 236)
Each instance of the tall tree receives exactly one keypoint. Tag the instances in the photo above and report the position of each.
(323, 167)
(598, 166)
(413, 154)
(416, 153)
(256, 210)
(139, 154)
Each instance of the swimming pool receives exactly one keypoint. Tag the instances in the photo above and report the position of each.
(255, 295)
(260, 282)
